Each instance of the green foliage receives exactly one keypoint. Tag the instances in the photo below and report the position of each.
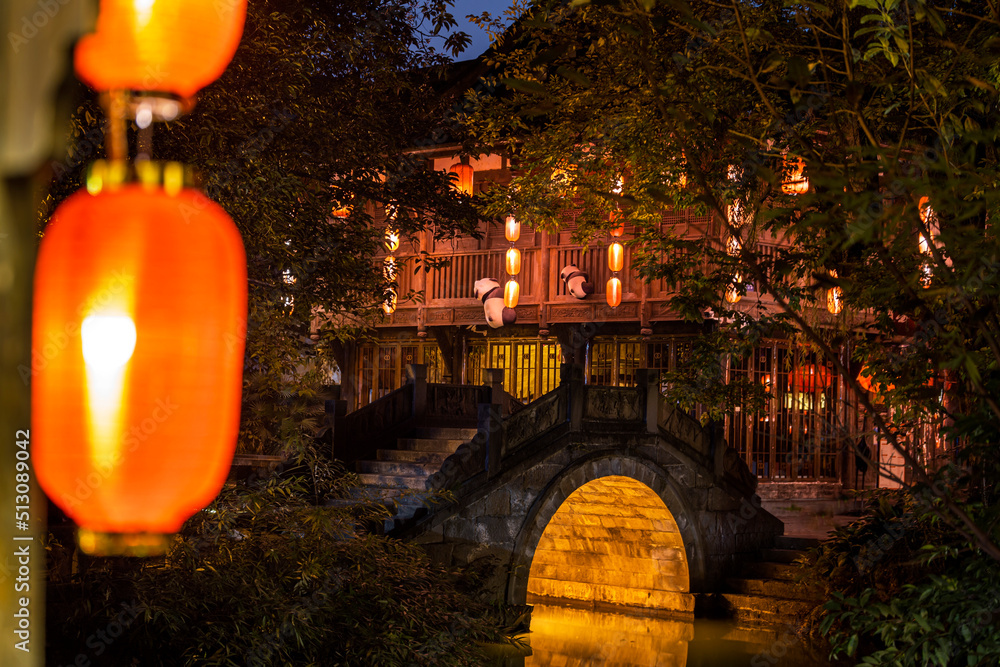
(263, 576)
(906, 590)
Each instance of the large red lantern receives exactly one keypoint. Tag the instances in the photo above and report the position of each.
(175, 46)
(810, 377)
(463, 177)
(139, 324)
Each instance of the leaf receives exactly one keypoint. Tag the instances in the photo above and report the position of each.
(573, 75)
(525, 86)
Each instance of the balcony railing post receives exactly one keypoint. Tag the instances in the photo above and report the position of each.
(648, 381)
(494, 380)
(571, 375)
(416, 375)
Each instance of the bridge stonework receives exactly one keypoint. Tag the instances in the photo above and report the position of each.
(512, 479)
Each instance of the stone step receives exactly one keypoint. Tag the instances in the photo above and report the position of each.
(436, 432)
(393, 481)
(776, 588)
(412, 456)
(799, 543)
(767, 570)
(445, 445)
(746, 608)
(398, 468)
(786, 556)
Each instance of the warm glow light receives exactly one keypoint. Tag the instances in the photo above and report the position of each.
(342, 211)
(795, 182)
(834, 297)
(736, 214)
(810, 378)
(389, 306)
(391, 240)
(512, 229)
(108, 341)
(463, 177)
(617, 231)
(173, 46)
(732, 293)
(613, 292)
(868, 383)
(513, 261)
(389, 268)
(616, 256)
(139, 314)
(511, 293)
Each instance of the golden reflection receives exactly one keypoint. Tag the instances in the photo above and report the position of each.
(567, 636)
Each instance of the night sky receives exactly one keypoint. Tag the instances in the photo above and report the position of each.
(480, 41)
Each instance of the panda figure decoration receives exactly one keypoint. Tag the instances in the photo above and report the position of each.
(577, 282)
(490, 293)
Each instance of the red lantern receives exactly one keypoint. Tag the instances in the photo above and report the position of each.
(616, 256)
(463, 177)
(513, 261)
(614, 292)
(512, 229)
(796, 182)
(511, 293)
(869, 384)
(174, 46)
(810, 377)
(620, 228)
(139, 324)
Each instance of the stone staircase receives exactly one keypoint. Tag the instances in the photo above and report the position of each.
(765, 592)
(398, 477)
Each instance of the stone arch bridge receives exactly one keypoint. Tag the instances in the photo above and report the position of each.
(598, 494)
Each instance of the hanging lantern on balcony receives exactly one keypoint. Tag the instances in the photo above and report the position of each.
(462, 180)
(733, 293)
(170, 46)
(513, 261)
(810, 378)
(613, 292)
(389, 306)
(511, 293)
(795, 182)
(834, 297)
(616, 257)
(868, 383)
(619, 229)
(512, 229)
(140, 311)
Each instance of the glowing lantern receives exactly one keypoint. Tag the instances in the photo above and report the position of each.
(834, 297)
(391, 239)
(796, 183)
(732, 293)
(613, 292)
(810, 377)
(172, 46)
(140, 311)
(616, 256)
(389, 268)
(463, 177)
(616, 232)
(513, 261)
(342, 211)
(512, 229)
(868, 383)
(511, 293)
(389, 306)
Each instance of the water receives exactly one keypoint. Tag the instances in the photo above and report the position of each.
(569, 637)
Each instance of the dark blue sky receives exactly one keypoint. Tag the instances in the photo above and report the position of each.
(480, 40)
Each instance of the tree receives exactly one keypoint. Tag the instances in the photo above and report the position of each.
(888, 108)
(317, 112)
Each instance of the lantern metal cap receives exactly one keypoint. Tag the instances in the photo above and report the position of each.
(96, 543)
(112, 174)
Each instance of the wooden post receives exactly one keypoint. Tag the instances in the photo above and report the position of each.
(494, 379)
(416, 374)
(571, 375)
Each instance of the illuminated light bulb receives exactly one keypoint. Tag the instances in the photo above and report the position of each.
(108, 340)
(614, 292)
(616, 256)
(511, 293)
(513, 261)
(512, 229)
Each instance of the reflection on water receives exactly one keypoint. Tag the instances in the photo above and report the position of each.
(569, 637)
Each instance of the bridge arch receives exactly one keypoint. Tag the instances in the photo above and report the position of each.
(616, 470)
